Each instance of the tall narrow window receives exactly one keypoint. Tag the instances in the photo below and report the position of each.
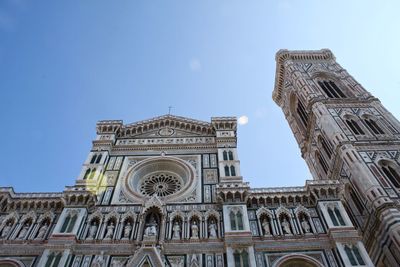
(225, 155)
(350, 256)
(245, 259)
(65, 224)
(331, 89)
(50, 260)
(86, 174)
(325, 146)
(323, 163)
(98, 159)
(232, 218)
(93, 160)
(241, 259)
(333, 217)
(230, 155)
(391, 174)
(71, 224)
(373, 126)
(233, 172)
(239, 218)
(236, 257)
(339, 216)
(354, 256)
(57, 260)
(336, 89)
(355, 128)
(359, 258)
(301, 111)
(92, 173)
(226, 168)
(356, 202)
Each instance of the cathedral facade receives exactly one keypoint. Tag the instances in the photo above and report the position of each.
(168, 191)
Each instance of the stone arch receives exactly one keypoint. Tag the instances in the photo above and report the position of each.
(391, 170)
(13, 218)
(297, 260)
(128, 216)
(30, 215)
(112, 216)
(195, 214)
(7, 262)
(210, 213)
(46, 216)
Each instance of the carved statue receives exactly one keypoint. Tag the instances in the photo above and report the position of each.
(151, 227)
(23, 231)
(127, 230)
(6, 230)
(195, 230)
(286, 227)
(265, 225)
(176, 231)
(92, 230)
(42, 231)
(306, 226)
(98, 261)
(212, 229)
(110, 231)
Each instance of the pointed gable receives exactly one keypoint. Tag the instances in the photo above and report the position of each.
(165, 126)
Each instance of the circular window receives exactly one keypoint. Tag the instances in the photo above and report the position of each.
(169, 178)
(160, 184)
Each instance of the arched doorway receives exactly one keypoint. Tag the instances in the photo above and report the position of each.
(297, 260)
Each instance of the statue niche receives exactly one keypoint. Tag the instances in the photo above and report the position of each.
(152, 225)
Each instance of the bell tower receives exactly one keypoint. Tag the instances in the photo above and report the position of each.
(344, 133)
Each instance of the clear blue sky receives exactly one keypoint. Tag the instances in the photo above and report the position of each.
(66, 64)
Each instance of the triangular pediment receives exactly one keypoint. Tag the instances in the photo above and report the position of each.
(146, 257)
(167, 126)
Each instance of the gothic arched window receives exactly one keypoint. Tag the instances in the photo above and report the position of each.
(353, 125)
(326, 146)
(233, 171)
(331, 89)
(336, 216)
(232, 218)
(322, 162)
(225, 155)
(301, 111)
(389, 169)
(236, 219)
(53, 260)
(230, 155)
(98, 159)
(241, 259)
(86, 174)
(333, 217)
(93, 160)
(92, 173)
(373, 126)
(239, 217)
(68, 224)
(339, 216)
(226, 168)
(354, 256)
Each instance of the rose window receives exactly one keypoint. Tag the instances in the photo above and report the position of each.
(160, 184)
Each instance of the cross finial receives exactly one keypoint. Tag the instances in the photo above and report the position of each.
(169, 110)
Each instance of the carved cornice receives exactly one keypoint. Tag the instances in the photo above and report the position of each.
(283, 55)
(170, 121)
